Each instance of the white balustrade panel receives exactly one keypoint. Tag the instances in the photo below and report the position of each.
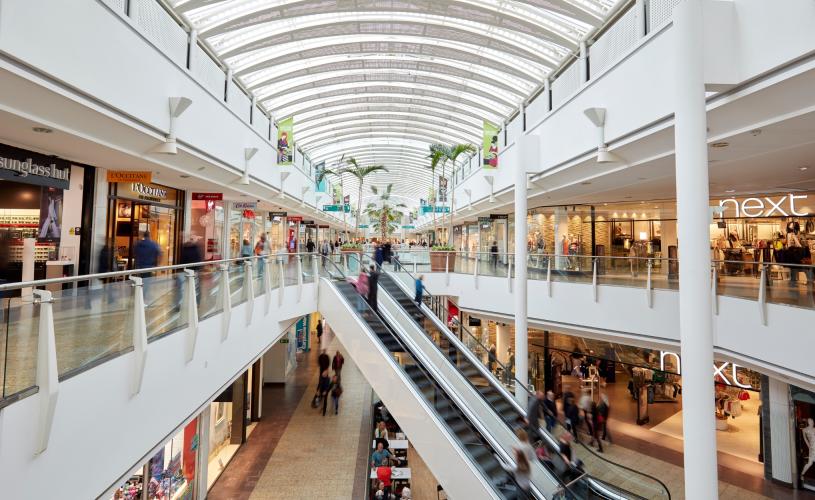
(158, 26)
(620, 38)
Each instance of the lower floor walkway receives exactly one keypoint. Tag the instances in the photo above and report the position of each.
(295, 452)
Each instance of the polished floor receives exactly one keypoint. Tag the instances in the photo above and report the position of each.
(295, 452)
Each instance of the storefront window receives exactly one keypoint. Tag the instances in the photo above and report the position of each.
(220, 432)
(207, 224)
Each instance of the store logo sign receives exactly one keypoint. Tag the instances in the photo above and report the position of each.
(150, 191)
(720, 371)
(24, 168)
(766, 206)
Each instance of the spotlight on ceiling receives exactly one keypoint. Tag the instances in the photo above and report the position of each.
(177, 107)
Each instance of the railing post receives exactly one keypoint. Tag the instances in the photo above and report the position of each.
(642, 18)
(594, 277)
(475, 272)
(192, 41)
(47, 369)
(190, 308)
(414, 264)
(447, 268)
(509, 273)
(648, 287)
(248, 290)
(345, 263)
(584, 63)
(549, 275)
(714, 288)
(299, 277)
(226, 301)
(282, 282)
(139, 334)
(267, 282)
(762, 295)
(315, 270)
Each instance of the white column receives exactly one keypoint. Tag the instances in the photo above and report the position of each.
(561, 231)
(782, 431)
(521, 332)
(693, 216)
(502, 342)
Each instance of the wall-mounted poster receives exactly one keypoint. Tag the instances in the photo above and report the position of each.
(490, 145)
(50, 214)
(285, 141)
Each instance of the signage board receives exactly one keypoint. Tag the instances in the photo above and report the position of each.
(207, 196)
(321, 226)
(284, 340)
(147, 192)
(245, 205)
(409, 227)
(277, 214)
(337, 208)
(363, 226)
(144, 177)
(499, 216)
(787, 205)
(32, 168)
(426, 209)
(307, 222)
(295, 218)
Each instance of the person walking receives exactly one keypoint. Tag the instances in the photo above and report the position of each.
(319, 330)
(262, 249)
(571, 412)
(585, 406)
(323, 388)
(191, 253)
(521, 470)
(494, 255)
(595, 429)
(309, 246)
(373, 287)
(602, 417)
(533, 413)
(323, 361)
(362, 289)
(550, 410)
(419, 290)
(337, 362)
(336, 392)
(146, 252)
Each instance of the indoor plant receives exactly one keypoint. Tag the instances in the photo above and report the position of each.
(442, 258)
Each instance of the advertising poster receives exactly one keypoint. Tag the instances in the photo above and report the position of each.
(50, 214)
(490, 145)
(322, 186)
(336, 197)
(442, 189)
(285, 141)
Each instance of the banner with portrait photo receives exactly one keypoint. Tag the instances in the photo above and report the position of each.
(322, 186)
(490, 145)
(336, 195)
(51, 201)
(285, 141)
(442, 189)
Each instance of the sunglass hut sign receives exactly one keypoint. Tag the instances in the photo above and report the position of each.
(24, 166)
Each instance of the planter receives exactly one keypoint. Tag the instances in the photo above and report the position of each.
(439, 263)
(353, 262)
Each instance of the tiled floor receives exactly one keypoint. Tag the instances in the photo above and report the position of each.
(295, 452)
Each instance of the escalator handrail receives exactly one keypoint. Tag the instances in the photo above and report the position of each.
(493, 381)
(474, 421)
(409, 383)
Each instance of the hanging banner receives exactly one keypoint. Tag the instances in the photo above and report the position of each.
(427, 209)
(490, 145)
(322, 186)
(336, 195)
(442, 189)
(346, 199)
(285, 142)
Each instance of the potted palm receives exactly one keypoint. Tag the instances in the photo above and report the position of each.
(442, 258)
(360, 173)
(386, 216)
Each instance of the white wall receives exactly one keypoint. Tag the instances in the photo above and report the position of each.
(100, 432)
(622, 313)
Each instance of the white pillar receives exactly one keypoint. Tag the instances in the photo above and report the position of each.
(693, 216)
(521, 332)
(502, 342)
(782, 431)
(561, 231)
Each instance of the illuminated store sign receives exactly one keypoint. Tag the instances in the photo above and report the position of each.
(720, 370)
(766, 206)
(32, 168)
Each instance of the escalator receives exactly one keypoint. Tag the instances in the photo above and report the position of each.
(462, 456)
(605, 479)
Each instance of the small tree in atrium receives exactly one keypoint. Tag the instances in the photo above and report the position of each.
(384, 218)
(360, 172)
(440, 154)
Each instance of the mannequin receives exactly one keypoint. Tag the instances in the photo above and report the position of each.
(809, 439)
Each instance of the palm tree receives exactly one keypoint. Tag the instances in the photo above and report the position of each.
(384, 219)
(437, 157)
(338, 174)
(440, 154)
(360, 173)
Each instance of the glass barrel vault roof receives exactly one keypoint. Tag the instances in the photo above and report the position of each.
(381, 80)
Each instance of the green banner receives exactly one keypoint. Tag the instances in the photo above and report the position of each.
(285, 141)
(490, 145)
(363, 226)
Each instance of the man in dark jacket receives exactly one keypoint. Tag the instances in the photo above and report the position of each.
(533, 413)
(323, 361)
(550, 410)
(373, 285)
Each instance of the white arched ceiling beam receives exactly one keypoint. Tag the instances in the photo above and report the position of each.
(274, 34)
(419, 134)
(378, 151)
(498, 14)
(249, 63)
(336, 126)
(387, 102)
(440, 134)
(288, 105)
(414, 62)
(409, 144)
(509, 97)
(339, 116)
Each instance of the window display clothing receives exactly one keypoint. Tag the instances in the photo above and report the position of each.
(809, 439)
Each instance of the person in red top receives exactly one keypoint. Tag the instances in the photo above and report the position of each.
(337, 363)
(383, 473)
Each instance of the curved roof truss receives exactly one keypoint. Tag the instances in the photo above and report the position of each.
(382, 80)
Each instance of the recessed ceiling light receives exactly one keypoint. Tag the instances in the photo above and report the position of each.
(755, 132)
(184, 176)
(605, 204)
(803, 169)
(729, 190)
(42, 130)
(201, 169)
(585, 183)
(721, 144)
(642, 203)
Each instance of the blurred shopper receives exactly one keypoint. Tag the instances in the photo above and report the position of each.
(533, 412)
(373, 287)
(319, 331)
(337, 362)
(419, 290)
(336, 392)
(603, 410)
(550, 410)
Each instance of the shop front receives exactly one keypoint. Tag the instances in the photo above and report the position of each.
(144, 208)
(46, 207)
(804, 425)
(207, 223)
